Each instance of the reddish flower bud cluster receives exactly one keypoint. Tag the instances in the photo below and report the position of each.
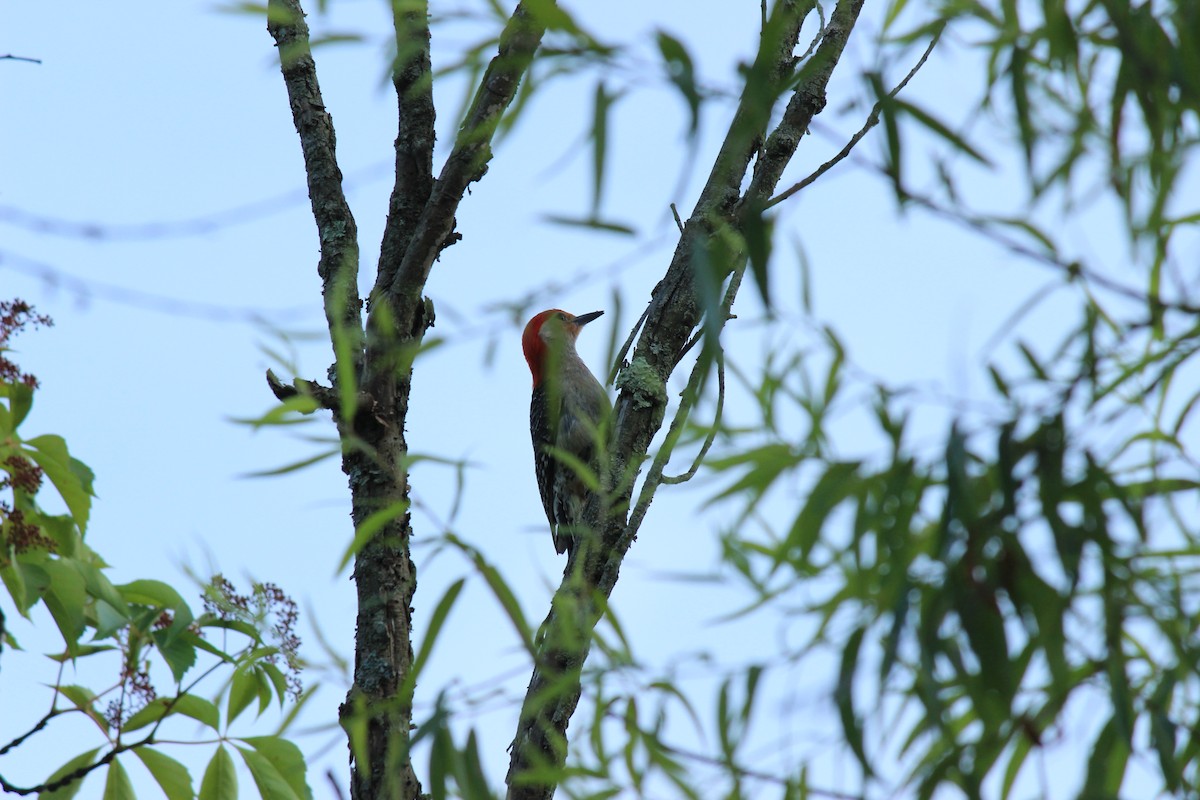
(266, 603)
(137, 692)
(14, 316)
(20, 533)
(22, 474)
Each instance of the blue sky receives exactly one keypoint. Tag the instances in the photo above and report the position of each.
(165, 113)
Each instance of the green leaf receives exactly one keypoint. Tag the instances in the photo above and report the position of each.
(758, 230)
(179, 652)
(495, 582)
(220, 778)
(592, 222)
(20, 399)
(938, 127)
(286, 758)
(844, 697)
(278, 681)
(270, 783)
(173, 777)
(295, 465)
(160, 595)
(117, 785)
(100, 587)
(71, 789)
(81, 651)
(894, 165)
(284, 413)
(1020, 94)
(894, 9)
(441, 762)
(84, 699)
(50, 453)
(26, 584)
(472, 781)
(1019, 753)
(1106, 766)
(601, 103)
(189, 705)
(243, 689)
(681, 72)
(766, 464)
(839, 481)
(66, 597)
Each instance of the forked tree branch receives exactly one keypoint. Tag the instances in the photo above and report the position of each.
(377, 713)
(469, 158)
(872, 121)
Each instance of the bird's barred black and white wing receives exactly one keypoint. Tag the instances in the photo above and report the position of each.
(546, 466)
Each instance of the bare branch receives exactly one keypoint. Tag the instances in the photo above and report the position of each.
(871, 122)
(807, 101)
(468, 160)
(712, 430)
(204, 224)
(412, 75)
(325, 397)
(338, 266)
(11, 57)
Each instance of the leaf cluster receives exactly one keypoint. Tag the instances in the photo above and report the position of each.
(47, 567)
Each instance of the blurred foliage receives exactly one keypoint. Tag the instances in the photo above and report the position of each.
(975, 594)
(127, 640)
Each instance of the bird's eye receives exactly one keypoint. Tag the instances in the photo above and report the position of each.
(562, 316)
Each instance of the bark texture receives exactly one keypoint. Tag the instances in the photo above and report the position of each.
(373, 370)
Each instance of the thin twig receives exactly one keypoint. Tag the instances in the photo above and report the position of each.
(655, 477)
(11, 57)
(712, 430)
(324, 396)
(624, 351)
(1073, 270)
(678, 221)
(39, 726)
(201, 225)
(872, 121)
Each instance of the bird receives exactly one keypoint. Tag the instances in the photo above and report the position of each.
(567, 409)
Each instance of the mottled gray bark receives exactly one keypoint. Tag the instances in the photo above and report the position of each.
(374, 370)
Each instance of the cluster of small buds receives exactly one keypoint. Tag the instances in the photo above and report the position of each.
(15, 315)
(21, 534)
(137, 693)
(23, 474)
(266, 604)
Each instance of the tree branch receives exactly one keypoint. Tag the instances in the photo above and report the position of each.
(468, 160)
(872, 121)
(323, 395)
(807, 101)
(412, 75)
(338, 266)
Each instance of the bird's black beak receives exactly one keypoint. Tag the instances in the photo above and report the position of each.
(584, 319)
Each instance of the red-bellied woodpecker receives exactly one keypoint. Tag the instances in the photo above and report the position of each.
(567, 409)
